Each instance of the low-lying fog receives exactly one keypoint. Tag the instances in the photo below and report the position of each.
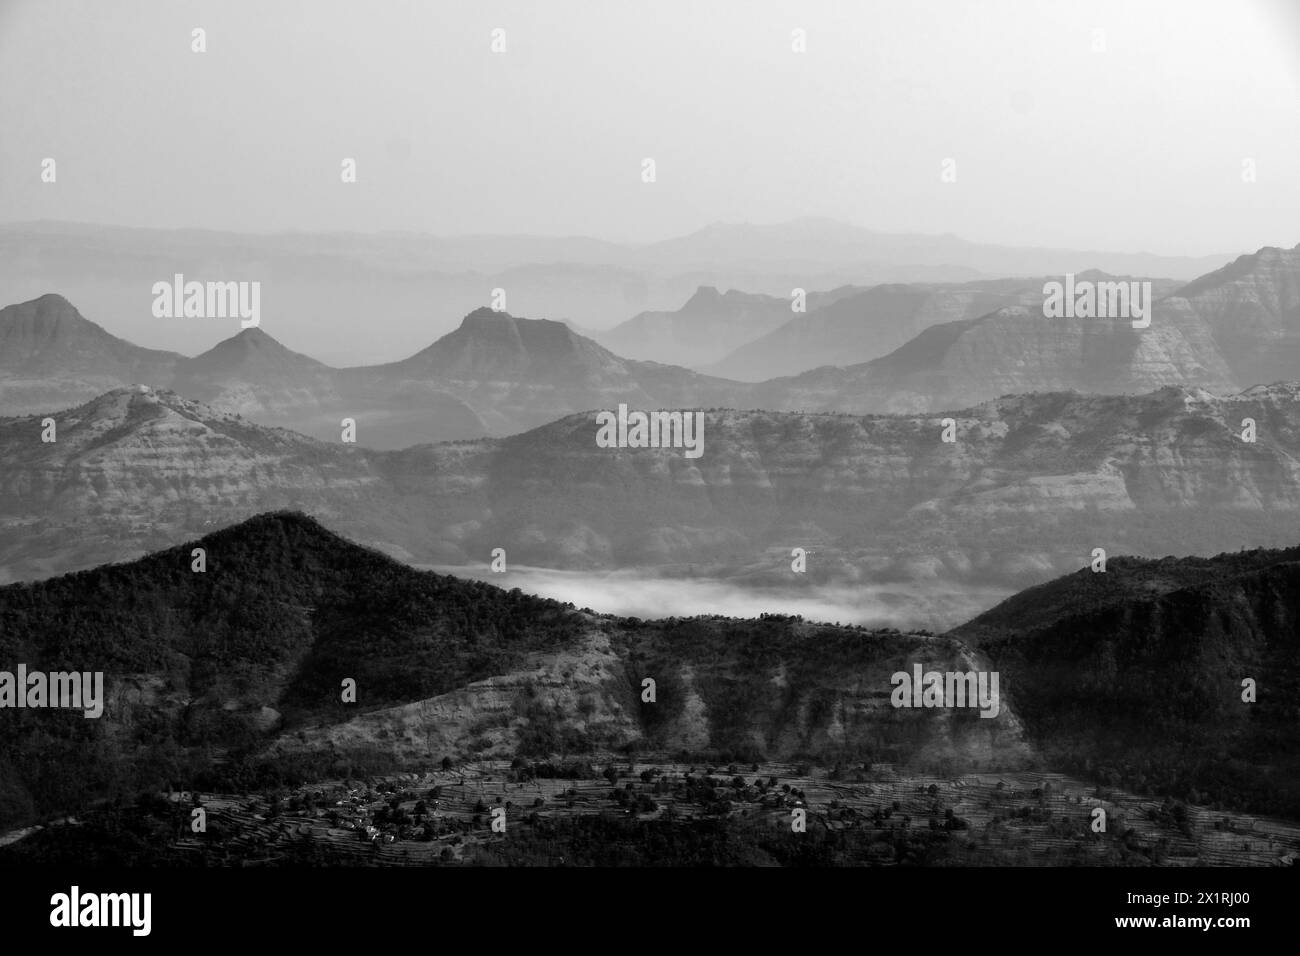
(935, 606)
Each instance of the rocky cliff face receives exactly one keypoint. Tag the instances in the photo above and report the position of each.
(1012, 350)
(139, 468)
(1031, 485)
(1251, 308)
(780, 690)
(1231, 329)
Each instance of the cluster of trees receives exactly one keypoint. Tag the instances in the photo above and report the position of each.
(1145, 692)
(284, 611)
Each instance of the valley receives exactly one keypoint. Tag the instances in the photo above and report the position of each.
(932, 605)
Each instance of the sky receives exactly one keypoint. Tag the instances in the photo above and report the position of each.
(1139, 145)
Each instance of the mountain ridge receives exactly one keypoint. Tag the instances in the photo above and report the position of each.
(1080, 471)
(499, 374)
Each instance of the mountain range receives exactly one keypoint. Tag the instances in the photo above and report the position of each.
(709, 327)
(498, 375)
(1234, 328)
(493, 375)
(865, 324)
(322, 293)
(1029, 487)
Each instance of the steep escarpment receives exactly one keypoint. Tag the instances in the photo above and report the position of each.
(138, 468)
(1251, 308)
(1029, 487)
(1230, 329)
(775, 688)
(1030, 484)
(1015, 349)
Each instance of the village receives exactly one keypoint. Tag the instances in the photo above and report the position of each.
(456, 814)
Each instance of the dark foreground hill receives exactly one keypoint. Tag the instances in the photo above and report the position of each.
(1135, 675)
(233, 675)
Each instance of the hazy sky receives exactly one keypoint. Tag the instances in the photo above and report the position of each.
(1137, 147)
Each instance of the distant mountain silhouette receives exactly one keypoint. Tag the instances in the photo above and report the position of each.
(334, 290)
(1012, 350)
(865, 325)
(709, 326)
(1234, 328)
(497, 374)
(496, 345)
(252, 353)
(519, 373)
(253, 375)
(50, 356)
(816, 243)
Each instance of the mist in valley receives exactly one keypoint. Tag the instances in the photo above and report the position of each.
(934, 606)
